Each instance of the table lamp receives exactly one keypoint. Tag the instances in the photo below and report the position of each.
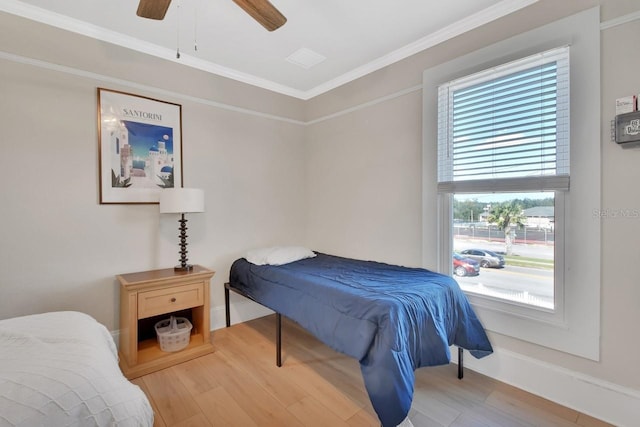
(182, 200)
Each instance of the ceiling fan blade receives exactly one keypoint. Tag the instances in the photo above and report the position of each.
(153, 9)
(263, 12)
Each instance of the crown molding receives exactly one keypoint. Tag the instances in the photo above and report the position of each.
(620, 20)
(80, 27)
(44, 16)
(460, 27)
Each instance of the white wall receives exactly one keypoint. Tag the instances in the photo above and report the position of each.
(363, 175)
(351, 120)
(59, 248)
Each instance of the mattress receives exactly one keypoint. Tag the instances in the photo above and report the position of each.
(61, 369)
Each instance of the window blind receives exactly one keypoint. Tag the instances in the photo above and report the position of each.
(507, 122)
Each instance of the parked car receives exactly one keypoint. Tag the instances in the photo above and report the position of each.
(484, 257)
(465, 266)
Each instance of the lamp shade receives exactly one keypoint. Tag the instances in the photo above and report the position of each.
(181, 200)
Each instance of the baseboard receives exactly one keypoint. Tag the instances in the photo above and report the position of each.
(600, 399)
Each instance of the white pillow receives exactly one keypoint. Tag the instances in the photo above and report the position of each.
(278, 255)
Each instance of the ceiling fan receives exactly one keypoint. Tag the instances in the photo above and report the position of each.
(261, 10)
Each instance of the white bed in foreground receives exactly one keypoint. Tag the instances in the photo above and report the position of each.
(61, 369)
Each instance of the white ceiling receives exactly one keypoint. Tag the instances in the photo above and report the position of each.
(356, 36)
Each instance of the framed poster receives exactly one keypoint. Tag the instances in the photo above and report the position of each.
(139, 147)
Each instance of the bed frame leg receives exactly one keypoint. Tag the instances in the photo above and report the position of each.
(226, 305)
(278, 340)
(460, 363)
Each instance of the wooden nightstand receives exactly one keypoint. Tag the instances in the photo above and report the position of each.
(150, 296)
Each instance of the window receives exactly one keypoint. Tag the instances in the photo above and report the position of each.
(503, 157)
(573, 324)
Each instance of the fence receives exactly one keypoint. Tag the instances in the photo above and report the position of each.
(524, 235)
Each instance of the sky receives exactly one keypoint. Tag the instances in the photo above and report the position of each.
(143, 136)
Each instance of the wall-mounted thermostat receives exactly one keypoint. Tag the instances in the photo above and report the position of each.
(628, 127)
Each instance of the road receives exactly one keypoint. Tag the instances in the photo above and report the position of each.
(527, 285)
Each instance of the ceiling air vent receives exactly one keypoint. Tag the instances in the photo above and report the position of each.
(305, 58)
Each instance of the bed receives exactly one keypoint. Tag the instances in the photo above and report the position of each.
(61, 369)
(392, 319)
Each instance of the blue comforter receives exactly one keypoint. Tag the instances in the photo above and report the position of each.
(392, 319)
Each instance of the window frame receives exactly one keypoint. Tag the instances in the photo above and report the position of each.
(579, 331)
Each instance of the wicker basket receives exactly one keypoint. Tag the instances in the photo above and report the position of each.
(173, 333)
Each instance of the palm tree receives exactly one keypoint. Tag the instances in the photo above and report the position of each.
(166, 182)
(507, 216)
(117, 182)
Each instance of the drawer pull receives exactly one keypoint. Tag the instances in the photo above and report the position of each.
(173, 299)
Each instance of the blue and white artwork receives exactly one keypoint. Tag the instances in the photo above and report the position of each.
(142, 155)
(140, 147)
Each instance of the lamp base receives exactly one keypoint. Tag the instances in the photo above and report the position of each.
(183, 266)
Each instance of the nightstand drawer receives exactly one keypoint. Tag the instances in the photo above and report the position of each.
(167, 300)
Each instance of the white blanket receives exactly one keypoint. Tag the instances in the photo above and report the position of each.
(61, 369)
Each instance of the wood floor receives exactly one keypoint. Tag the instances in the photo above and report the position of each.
(239, 385)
